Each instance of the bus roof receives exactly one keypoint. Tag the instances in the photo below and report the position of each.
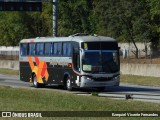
(88, 38)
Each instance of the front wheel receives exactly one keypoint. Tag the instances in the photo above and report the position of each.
(68, 84)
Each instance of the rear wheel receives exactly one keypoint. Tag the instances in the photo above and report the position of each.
(35, 83)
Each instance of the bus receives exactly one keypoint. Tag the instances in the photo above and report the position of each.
(77, 61)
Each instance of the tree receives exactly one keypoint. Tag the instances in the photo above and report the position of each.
(116, 19)
(12, 29)
(155, 26)
(128, 21)
(73, 17)
(15, 26)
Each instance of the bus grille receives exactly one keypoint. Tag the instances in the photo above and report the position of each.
(103, 79)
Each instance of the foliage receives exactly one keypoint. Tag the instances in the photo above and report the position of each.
(12, 28)
(127, 21)
(73, 17)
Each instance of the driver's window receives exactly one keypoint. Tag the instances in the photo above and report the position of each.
(76, 61)
(76, 56)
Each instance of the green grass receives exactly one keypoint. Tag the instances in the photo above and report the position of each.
(9, 71)
(31, 100)
(140, 80)
(20, 99)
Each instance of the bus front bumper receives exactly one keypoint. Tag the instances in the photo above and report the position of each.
(86, 82)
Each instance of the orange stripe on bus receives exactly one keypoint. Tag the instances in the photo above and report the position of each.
(25, 41)
(39, 70)
(44, 69)
(31, 41)
(31, 62)
(37, 61)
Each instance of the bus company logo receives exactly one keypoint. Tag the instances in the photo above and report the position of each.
(6, 114)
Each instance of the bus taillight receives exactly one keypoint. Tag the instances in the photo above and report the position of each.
(69, 65)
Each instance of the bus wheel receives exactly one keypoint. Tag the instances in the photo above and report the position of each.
(68, 84)
(35, 83)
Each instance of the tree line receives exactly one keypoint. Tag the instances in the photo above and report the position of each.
(125, 20)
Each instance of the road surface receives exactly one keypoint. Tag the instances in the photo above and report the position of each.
(124, 91)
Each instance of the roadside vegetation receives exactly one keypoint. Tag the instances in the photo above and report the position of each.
(9, 71)
(140, 80)
(21, 99)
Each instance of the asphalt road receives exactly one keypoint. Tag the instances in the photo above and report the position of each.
(13, 81)
(124, 91)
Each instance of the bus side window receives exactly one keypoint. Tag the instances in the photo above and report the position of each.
(55, 49)
(52, 49)
(23, 49)
(58, 49)
(40, 49)
(48, 49)
(66, 49)
(69, 49)
(32, 50)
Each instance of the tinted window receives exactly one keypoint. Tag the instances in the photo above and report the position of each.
(57, 49)
(100, 45)
(66, 49)
(48, 49)
(40, 49)
(23, 49)
(109, 46)
(91, 45)
(32, 50)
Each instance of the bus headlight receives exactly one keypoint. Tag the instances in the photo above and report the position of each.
(87, 78)
(117, 77)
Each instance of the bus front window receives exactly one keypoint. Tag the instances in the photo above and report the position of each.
(100, 61)
(110, 62)
(91, 62)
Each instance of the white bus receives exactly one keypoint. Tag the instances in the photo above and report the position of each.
(79, 60)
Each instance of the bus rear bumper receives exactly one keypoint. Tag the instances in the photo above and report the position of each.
(92, 83)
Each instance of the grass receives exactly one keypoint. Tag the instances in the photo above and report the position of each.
(20, 99)
(140, 80)
(9, 71)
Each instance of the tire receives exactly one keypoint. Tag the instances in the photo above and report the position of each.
(68, 84)
(35, 83)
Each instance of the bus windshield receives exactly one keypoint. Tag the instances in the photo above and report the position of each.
(100, 61)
